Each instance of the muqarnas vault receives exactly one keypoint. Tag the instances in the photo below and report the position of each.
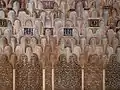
(59, 45)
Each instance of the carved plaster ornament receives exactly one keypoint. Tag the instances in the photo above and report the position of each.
(9, 6)
(110, 51)
(2, 14)
(36, 3)
(31, 7)
(118, 22)
(80, 26)
(63, 6)
(34, 59)
(110, 35)
(8, 51)
(20, 49)
(68, 53)
(73, 17)
(16, 7)
(48, 34)
(79, 9)
(72, 4)
(53, 43)
(4, 43)
(7, 34)
(69, 23)
(104, 61)
(13, 43)
(40, 5)
(62, 46)
(28, 23)
(43, 59)
(86, 50)
(43, 43)
(58, 24)
(11, 16)
(118, 35)
(47, 51)
(22, 17)
(23, 4)
(94, 13)
(57, 13)
(48, 21)
(73, 59)
(9, 26)
(49, 64)
(115, 43)
(29, 52)
(77, 51)
(36, 14)
(104, 44)
(89, 34)
(2, 4)
(37, 49)
(0, 32)
(85, 15)
(13, 60)
(43, 15)
(101, 30)
(23, 60)
(38, 24)
(33, 42)
(118, 54)
(17, 26)
(53, 59)
(82, 60)
(99, 35)
(73, 42)
(94, 48)
(83, 43)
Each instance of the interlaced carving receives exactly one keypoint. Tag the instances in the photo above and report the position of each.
(67, 75)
